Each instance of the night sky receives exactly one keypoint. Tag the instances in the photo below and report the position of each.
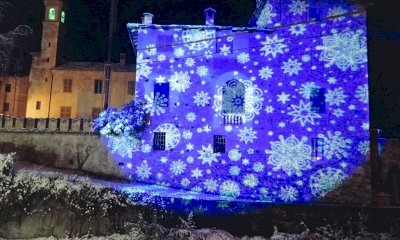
(87, 23)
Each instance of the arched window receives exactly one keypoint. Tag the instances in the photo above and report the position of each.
(62, 16)
(52, 14)
(233, 99)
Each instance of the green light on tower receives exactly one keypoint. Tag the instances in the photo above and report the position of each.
(52, 14)
(62, 16)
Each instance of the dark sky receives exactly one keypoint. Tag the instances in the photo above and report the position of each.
(87, 23)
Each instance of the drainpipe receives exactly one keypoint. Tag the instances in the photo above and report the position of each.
(51, 93)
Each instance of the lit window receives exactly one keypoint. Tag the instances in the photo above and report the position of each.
(98, 86)
(131, 88)
(67, 85)
(62, 16)
(159, 141)
(317, 148)
(317, 98)
(52, 14)
(6, 107)
(161, 94)
(8, 87)
(219, 144)
(65, 112)
(38, 105)
(95, 112)
(233, 97)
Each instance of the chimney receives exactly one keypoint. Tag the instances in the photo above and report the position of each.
(122, 59)
(209, 14)
(147, 18)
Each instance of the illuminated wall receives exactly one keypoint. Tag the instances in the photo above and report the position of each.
(302, 129)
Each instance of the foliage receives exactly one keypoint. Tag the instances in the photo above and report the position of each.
(129, 121)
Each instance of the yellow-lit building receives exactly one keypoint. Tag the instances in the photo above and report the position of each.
(64, 89)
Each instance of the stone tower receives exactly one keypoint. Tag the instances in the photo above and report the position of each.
(41, 78)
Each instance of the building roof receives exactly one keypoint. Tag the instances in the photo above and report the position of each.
(94, 66)
(134, 26)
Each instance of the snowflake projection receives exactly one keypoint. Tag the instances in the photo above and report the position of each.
(143, 68)
(288, 194)
(155, 104)
(225, 50)
(211, 185)
(363, 147)
(335, 145)
(250, 180)
(191, 116)
(146, 148)
(177, 167)
(151, 50)
(290, 155)
(345, 49)
(266, 73)
(307, 89)
(362, 93)
(180, 81)
(161, 57)
(196, 173)
(201, 98)
(143, 171)
(179, 52)
(291, 67)
(189, 62)
(303, 113)
(187, 134)
(335, 13)
(283, 97)
(273, 46)
(297, 29)
(234, 171)
(266, 16)
(198, 39)
(325, 180)
(229, 189)
(336, 96)
(269, 109)
(243, 58)
(247, 135)
(124, 146)
(234, 154)
(185, 182)
(207, 155)
(258, 167)
(298, 7)
(202, 71)
(172, 135)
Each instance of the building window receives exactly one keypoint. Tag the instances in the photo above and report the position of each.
(52, 14)
(67, 85)
(6, 107)
(38, 105)
(233, 97)
(65, 112)
(131, 88)
(95, 112)
(219, 144)
(98, 86)
(161, 94)
(8, 87)
(62, 16)
(317, 148)
(159, 141)
(317, 98)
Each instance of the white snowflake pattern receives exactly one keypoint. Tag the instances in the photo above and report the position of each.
(207, 155)
(202, 71)
(362, 93)
(180, 81)
(297, 29)
(234, 171)
(335, 145)
(291, 67)
(229, 189)
(258, 167)
(338, 112)
(335, 96)
(290, 155)
(201, 99)
(185, 182)
(197, 39)
(283, 97)
(265, 16)
(143, 171)
(247, 135)
(161, 57)
(187, 134)
(189, 62)
(234, 154)
(269, 109)
(172, 135)
(288, 194)
(265, 73)
(298, 7)
(196, 173)
(303, 113)
(363, 147)
(191, 116)
(325, 180)
(243, 57)
(179, 52)
(273, 46)
(146, 148)
(225, 50)
(346, 49)
(151, 50)
(143, 67)
(124, 145)
(307, 89)
(250, 180)
(335, 13)
(210, 185)
(160, 79)
(177, 167)
(155, 104)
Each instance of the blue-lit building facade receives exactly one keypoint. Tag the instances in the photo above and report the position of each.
(277, 111)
